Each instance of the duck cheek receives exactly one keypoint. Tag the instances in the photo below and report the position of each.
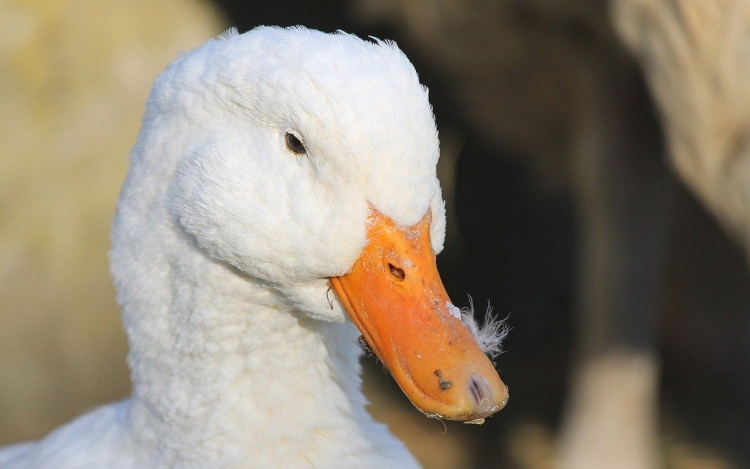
(316, 299)
(396, 298)
(285, 228)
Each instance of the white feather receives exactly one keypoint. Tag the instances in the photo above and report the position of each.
(490, 334)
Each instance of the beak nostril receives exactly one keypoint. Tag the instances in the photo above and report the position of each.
(399, 274)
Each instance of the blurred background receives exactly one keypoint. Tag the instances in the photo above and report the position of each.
(593, 158)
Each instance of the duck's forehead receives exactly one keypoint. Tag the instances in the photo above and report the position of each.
(357, 105)
(361, 105)
(364, 89)
(353, 89)
(376, 115)
(373, 113)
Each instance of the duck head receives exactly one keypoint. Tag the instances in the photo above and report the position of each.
(307, 162)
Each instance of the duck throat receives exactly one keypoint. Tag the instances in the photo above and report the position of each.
(225, 375)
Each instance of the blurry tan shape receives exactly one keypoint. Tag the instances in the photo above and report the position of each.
(531, 446)
(696, 58)
(75, 77)
(611, 420)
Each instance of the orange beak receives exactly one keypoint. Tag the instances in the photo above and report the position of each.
(396, 298)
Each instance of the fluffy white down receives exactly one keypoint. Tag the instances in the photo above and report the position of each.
(221, 246)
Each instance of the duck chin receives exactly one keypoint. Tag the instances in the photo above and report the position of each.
(315, 299)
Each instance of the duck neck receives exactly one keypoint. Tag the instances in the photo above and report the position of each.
(228, 376)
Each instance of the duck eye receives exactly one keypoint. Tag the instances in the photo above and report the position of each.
(294, 144)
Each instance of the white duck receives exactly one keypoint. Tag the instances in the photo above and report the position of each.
(272, 166)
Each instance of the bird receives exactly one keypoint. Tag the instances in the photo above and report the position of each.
(280, 211)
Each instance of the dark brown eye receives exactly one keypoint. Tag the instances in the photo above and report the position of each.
(397, 273)
(294, 144)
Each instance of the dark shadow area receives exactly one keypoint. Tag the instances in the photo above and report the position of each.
(704, 334)
(519, 254)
